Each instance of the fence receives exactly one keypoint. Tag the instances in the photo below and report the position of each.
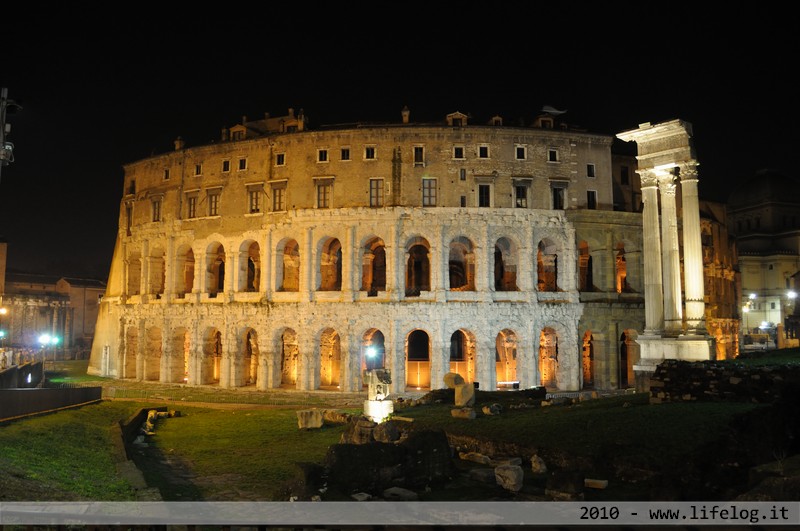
(15, 403)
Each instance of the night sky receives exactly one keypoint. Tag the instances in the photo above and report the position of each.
(97, 95)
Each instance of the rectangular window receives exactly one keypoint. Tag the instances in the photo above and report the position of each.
(242, 164)
(419, 156)
(520, 196)
(462, 174)
(591, 199)
(483, 152)
(345, 154)
(458, 152)
(484, 195)
(191, 206)
(558, 198)
(254, 201)
(198, 169)
(590, 170)
(280, 159)
(772, 306)
(166, 174)
(521, 152)
(128, 218)
(463, 201)
(322, 155)
(552, 155)
(428, 192)
(278, 198)
(369, 152)
(157, 210)
(226, 166)
(624, 176)
(324, 193)
(376, 192)
(213, 203)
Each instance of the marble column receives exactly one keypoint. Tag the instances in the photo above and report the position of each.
(654, 302)
(692, 251)
(670, 253)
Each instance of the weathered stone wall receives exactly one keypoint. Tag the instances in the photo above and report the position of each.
(676, 380)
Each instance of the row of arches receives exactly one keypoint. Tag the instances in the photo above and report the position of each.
(170, 356)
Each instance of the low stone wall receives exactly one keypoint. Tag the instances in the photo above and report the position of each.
(22, 376)
(16, 403)
(675, 380)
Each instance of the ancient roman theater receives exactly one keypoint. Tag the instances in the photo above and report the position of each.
(286, 256)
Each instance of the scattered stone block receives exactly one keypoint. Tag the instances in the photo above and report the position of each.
(484, 475)
(509, 477)
(493, 409)
(463, 413)
(386, 432)
(475, 457)
(538, 465)
(452, 379)
(361, 496)
(595, 483)
(465, 395)
(399, 494)
(309, 419)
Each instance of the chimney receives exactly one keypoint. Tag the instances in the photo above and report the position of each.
(179, 143)
(244, 120)
(406, 113)
(291, 112)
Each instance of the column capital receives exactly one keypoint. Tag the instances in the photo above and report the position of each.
(648, 178)
(666, 184)
(688, 171)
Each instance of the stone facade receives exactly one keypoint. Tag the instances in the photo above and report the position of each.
(281, 256)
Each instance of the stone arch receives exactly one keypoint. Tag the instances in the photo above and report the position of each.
(463, 347)
(373, 347)
(621, 284)
(330, 354)
(548, 357)
(152, 355)
(628, 357)
(156, 271)
(461, 265)
(587, 359)
(184, 271)
(373, 267)
(505, 347)
(250, 357)
(289, 352)
(632, 256)
(418, 267)
(249, 266)
(418, 359)
(134, 280)
(212, 356)
(215, 269)
(330, 265)
(585, 267)
(547, 265)
(506, 257)
(180, 349)
(131, 351)
(287, 265)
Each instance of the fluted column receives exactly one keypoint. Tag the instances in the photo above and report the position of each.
(654, 301)
(670, 253)
(692, 251)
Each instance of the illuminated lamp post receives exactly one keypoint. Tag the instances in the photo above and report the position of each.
(47, 340)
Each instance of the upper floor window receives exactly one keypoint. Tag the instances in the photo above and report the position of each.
(345, 153)
(324, 193)
(558, 197)
(590, 170)
(428, 192)
(157, 209)
(458, 152)
(166, 174)
(376, 192)
(520, 152)
(552, 155)
(226, 166)
(198, 169)
(462, 174)
(520, 196)
(280, 159)
(369, 152)
(242, 164)
(237, 135)
(591, 199)
(191, 206)
(483, 152)
(322, 155)
(254, 199)
(213, 202)
(419, 156)
(279, 197)
(624, 176)
(484, 195)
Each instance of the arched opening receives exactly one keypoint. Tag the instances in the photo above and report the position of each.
(179, 356)
(157, 272)
(462, 355)
(505, 348)
(212, 357)
(215, 269)
(134, 273)
(374, 350)
(628, 357)
(252, 268)
(418, 269)
(548, 357)
(621, 270)
(418, 364)
(461, 263)
(373, 269)
(585, 268)
(250, 355)
(184, 271)
(288, 266)
(131, 347)
(152, 355)
(330, 266)
(330, 354)
(505, 266)
(289, 358)
(547, 266)
(587, 360)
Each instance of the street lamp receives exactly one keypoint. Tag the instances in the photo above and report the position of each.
(46, 340)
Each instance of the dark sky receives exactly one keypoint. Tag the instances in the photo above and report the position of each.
(101, 92)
